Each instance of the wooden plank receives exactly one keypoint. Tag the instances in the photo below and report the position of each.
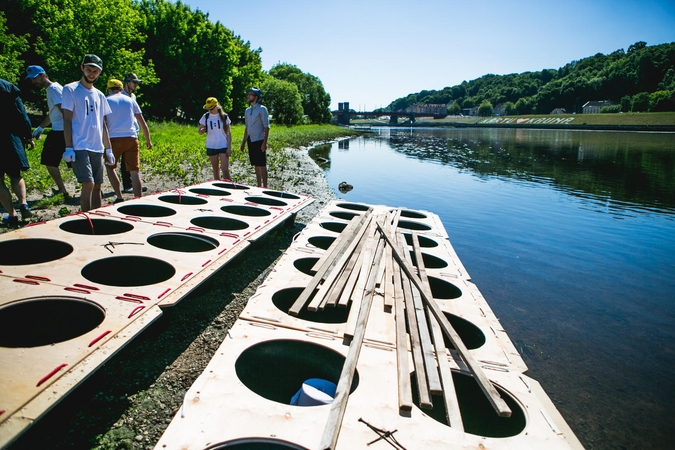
(343, 238)
(488, 388)
(339, 265)
(325, 268)
(389, 269)
(339, 405)
(405, 400)
(371, 243)
(452, 411)
(428, 352)
(346, 295)
(341, 284)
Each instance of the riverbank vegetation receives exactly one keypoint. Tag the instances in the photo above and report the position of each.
(179, 154)
(640, 79)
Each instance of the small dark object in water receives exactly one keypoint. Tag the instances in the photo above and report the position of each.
(322, 160)
(345, 187)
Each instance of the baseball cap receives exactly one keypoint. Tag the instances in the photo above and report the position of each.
(33, 71)
(211, 102)
(115, 83)
(92, 60)
(131, 77)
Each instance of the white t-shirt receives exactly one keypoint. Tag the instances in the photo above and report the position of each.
(89, 107)
(122, 121)
(215, 131)
(133, 97)
(54, 94)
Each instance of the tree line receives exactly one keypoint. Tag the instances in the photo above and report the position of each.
(639, 79)
(181, 56)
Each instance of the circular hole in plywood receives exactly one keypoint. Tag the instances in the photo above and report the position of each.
(207, 191)
(478, 415)
(424, 241)
(470, 334)
(22, 252)
(430, 261)
(183, 242)
(353, 206)
(146, 210)
(280, 194)
(336, 227)
(344, 215)
(182, 199)
(243, 210)
(410, 225)
(266, 201)
(219, 223)
(256, 443)
(128, 271)
(285, 298)
(322, 242)
(443, 290)
(412, 214)
(34, 322)
(231, 186)
(96, 227)
(287, 365)
(305, 265)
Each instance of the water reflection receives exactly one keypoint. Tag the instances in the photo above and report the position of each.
(604, 167)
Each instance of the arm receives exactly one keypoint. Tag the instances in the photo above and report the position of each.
(106, 136)
(243, 141)
(263, 147)
(146, 131)
(68, 127)
(228, 135)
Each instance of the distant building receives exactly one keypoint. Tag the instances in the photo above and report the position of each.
(470, 111)
(595, 106)
(499, 109)
(440, 109)
(559, 111)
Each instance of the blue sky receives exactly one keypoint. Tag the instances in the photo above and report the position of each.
(371, 52)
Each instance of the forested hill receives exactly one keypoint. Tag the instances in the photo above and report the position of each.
(639, 79)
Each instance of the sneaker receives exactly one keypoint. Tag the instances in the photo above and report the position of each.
(118, 200)
(128, 190)
(144, 189)
(11, 221)
(26, 213)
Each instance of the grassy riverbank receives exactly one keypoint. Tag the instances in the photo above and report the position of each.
(625, 119)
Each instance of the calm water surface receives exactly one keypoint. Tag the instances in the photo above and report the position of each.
(570, 236)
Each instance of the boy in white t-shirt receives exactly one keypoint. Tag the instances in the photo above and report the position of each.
(85, 131)
(216, 124)
(55, 145)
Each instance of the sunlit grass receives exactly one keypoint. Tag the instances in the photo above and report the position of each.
(179, 154)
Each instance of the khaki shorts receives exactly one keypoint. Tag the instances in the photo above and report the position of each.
(127, 149)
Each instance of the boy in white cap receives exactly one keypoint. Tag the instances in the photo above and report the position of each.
(85, 131)
(55, 145)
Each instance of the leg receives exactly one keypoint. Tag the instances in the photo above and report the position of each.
(19, 188)
(55, 173)
(126, 175)
(96, 196)
(85, 195)
(214, 166)
(136, 182)
(6, 198)
(225, 164)
(114, 181)
(261, 176)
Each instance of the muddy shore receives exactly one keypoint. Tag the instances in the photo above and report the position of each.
(129, 402)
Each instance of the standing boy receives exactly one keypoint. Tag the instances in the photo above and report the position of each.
(123, 136)
(55, 145)
(85, 131)
(256, 134)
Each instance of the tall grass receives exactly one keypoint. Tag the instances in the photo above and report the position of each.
(179, 153)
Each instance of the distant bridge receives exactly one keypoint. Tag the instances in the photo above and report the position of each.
(344, 115)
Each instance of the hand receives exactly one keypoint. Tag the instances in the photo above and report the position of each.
(37, 134)
(69, 155)
(109, 157)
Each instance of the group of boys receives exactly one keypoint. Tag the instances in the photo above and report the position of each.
(90, 131)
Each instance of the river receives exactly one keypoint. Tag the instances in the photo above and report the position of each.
(570, 236)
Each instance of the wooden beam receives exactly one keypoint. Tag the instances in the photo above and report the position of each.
(343, 238)
(405, 400)
(339, 405)
(488, 388)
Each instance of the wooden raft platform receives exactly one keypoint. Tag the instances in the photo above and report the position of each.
(77, 289)
(374, 300)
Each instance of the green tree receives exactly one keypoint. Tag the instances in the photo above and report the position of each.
(12, 47)
(509, 109)
(662, 101)
(248, 73)
(625, 103)
(485, 109)
(454, 109)
(315, 100)
(640, 102)
(283, 101)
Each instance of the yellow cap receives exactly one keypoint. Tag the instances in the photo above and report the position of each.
(115, 83)
(211, 102)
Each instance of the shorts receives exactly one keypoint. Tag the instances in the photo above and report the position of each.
(127, 149)
(88, 166)
(216, 151)
(52, 152)
(255, 153)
